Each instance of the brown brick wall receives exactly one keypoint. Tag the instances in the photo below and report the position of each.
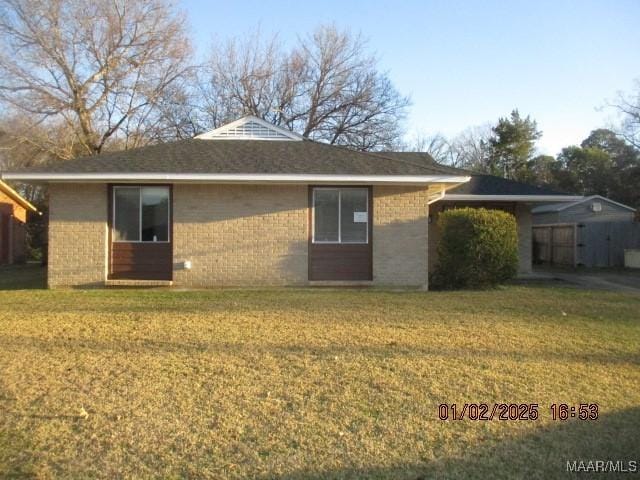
(77, 235)
(400, 234)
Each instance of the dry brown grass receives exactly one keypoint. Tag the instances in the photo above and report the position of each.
(311, 383)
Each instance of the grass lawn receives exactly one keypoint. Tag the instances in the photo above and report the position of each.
(310, 384)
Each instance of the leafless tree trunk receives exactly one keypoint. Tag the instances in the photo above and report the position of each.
(99, 69)
(326, 88)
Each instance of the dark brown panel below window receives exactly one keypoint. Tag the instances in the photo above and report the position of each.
(141, 261)
(339, 262)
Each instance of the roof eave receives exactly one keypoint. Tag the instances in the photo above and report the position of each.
(233, 178)
(19, 199)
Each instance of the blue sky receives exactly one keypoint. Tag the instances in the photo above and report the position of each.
(468, 63)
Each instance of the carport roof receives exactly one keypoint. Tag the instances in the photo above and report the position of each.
(487, 187)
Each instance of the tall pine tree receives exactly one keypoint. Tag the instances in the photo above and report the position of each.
(512, 146)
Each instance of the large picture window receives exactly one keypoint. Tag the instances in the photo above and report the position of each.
(140, 214)
(340, 215)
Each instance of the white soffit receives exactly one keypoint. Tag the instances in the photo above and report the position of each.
(512, 198)
(250, 128)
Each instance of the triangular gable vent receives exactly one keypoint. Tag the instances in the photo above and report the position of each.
(249, 128)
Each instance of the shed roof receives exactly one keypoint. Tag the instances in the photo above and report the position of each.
(558, 207)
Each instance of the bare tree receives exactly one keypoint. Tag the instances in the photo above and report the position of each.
(43, 143)
(98, 69)
(253, 76)
(327, 88)
(629, 106)
(470, 149)
(437, 145)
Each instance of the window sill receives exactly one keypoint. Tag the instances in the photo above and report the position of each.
(340, 283)
(137, 283)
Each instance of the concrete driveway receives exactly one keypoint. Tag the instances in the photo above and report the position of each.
(622, 280)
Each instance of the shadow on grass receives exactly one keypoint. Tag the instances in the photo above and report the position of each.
(16, 455)
(16, 450)
(23, 277)
(542, 454)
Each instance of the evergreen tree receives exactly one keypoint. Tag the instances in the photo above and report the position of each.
(512, 145)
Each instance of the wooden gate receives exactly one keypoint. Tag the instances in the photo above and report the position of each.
(554, 244)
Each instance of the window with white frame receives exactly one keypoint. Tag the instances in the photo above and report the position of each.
(340, 215)
(140, 214)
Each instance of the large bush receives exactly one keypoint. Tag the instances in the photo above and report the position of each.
(477, 248)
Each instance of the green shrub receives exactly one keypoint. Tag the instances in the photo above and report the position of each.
(477, 248)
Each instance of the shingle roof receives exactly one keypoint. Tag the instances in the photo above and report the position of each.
(490, 185)
(479, 184)
(423, 158)
(197, 156)
(243, 157)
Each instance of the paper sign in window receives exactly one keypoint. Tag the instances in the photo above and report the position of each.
(360, 217)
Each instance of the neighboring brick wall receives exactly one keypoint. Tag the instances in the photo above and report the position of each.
(400, 234)
(240, 234)
(523, 217)
(19, 245)
(20, 213)
(77, 235)
(9, 205)
(12, 239)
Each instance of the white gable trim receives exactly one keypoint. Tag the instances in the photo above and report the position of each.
(595, 197)
(250, 128)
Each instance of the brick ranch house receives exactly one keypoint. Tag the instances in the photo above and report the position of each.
(13, 218)
(253, 204)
